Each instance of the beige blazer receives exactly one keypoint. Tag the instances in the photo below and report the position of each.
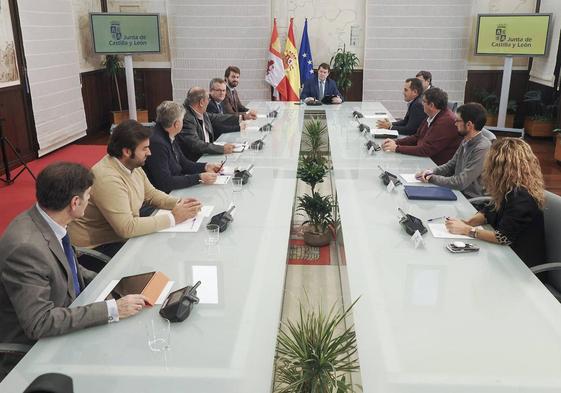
(113, 212)
(36, 284)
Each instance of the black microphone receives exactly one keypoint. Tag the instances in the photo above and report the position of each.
(357, 115)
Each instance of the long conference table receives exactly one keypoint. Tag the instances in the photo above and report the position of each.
(427, 320)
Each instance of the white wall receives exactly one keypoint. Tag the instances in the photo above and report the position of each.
(206, 37)
(405, 36)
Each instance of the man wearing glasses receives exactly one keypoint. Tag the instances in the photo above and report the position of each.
(437, 137)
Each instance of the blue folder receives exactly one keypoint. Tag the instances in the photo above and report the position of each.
(430, 193)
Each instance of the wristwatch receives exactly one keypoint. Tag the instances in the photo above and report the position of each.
(473, 233)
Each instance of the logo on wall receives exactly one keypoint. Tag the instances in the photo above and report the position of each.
(500, 33)
(116, 31)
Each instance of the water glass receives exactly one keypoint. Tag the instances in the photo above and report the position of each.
(213, 234)
(237, 184)
(158, 334)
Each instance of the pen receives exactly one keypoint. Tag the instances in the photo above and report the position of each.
(193, 223)
(436, 218)
(222, 164)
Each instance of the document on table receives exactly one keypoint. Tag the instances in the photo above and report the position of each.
(222, 179)
(191, 225)
(409, 178)
(439, 231)
(385, 115)
(252, 128)
(227, 170)
(239, 147)
(384, 133)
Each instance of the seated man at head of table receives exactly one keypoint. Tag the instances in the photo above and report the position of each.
(437, 136)
(120, 189)
(321, 86)
(463, 171)
(198, 134)
(232, 102)
(166, 167)
(412, 92)
(39, 275)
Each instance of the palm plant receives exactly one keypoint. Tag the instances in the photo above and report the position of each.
(319, 209)
(311, 171)
(314, 138)
(312, 357)
(114, 66)
(344, 63)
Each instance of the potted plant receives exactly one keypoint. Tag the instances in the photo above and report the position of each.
(557, 154)
(312, 356)
(540, 119)
(344, 63)
(320, 225)
(114, 67)
(491, 103)
(314, 139)
(311, 171)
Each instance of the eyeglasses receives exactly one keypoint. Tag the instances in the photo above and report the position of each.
(220, 90)
(458, 121)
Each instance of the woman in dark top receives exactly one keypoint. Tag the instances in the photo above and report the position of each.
(514, 181)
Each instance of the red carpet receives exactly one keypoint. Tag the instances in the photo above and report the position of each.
(301, 254)
(20, 195)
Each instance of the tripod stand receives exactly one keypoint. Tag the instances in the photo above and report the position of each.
(8, 176)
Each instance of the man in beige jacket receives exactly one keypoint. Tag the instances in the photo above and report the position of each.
(120, 189)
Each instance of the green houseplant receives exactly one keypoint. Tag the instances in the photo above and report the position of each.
(491, 103)
(541, 116)
(114, 68)
(321, 221)
(314, 139)
(344, 63)
(311, 171)
(312, 356)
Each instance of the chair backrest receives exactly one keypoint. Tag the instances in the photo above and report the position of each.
(453, 105)
(552, 219)
(488, 134)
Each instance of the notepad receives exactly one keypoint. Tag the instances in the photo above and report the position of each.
(409, 178)
(221, 180)
(439, 230)
(430, 193)
(383, 133)
(191, 225)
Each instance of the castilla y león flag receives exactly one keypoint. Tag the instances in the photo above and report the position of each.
(275, 67)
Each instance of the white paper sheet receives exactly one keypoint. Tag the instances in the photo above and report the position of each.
(376, 116)
(228, 170)
(383, 131)
(239, 147)
(191, 225)
(222, 179)
(409, 178)
(439, 231)
(261, 116)
(252, 128)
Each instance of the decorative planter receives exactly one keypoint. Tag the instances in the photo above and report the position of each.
(538, 128)
(120, 116)
(557, 154)
(492, 120)
(314, 239)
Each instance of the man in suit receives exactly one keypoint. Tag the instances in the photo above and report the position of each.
(232, 102)
(321, 86)
(39, 276)
(198, 133)
(426, 79)
(120, 190)
(167, 168)
(412, 91)
(217, 89)
(437, 137)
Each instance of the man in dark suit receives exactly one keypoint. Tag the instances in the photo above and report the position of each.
(426, 79)
(198, 133)
(437, 137)
(232, 102)
(321, 86)
(412, 91)
(39, 275)
(167, 168)
(217, 95)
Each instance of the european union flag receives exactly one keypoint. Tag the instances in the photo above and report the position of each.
(305, 57)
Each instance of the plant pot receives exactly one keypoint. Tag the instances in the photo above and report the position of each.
(120, 116)
(492, 120)
(315, 239)
(557, 154)
(538, 128)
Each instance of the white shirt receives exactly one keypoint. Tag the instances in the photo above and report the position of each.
(430, 119)
(60, 232)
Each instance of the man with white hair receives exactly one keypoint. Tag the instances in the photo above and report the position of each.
(167, 168)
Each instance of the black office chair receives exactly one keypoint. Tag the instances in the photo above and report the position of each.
(453, 105)
(51, 383)
(10, 355)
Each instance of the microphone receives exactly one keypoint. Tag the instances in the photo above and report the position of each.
(357, 115)
(362, 127)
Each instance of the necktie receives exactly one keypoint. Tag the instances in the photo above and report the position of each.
(236, 100)
(321, 90)
(175, 149)
(219, 107)
(71, 262)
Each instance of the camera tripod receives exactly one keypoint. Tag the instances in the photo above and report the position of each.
(8, 176)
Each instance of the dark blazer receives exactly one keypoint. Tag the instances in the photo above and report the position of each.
(213, 106)
(311, 89)
(191, 139)
(519, 223)
(36, 286)
(439, 141)
(233, 104)
(413, 118)
(167, 168)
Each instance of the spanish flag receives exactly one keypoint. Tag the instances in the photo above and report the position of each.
(291, 68)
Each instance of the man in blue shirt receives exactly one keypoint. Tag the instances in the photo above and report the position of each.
(318, 87)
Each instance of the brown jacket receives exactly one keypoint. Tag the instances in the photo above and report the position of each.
(232, 103)
(112, 214)
(439, 141)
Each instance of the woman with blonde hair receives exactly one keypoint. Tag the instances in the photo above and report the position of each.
(514, 181)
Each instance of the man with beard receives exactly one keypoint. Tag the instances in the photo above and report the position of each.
(232, 103)
(463, 171)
